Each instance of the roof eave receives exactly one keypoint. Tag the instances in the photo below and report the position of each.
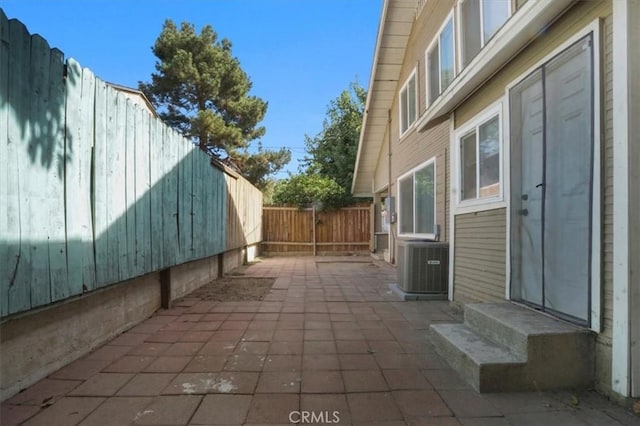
(383, 17)
(395, 25)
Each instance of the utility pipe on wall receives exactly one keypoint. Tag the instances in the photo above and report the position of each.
(392, 237)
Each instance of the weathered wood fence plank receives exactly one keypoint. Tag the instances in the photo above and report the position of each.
(101, 187)
(94, 189)
(156, 157)
(34, 177)
(19, 132)
(117, 163)
(4, 153)
(79, 146)
(130, 187)
(143, 186)
(56, 177)
(185, 177)
(85, 154)
(170, 197)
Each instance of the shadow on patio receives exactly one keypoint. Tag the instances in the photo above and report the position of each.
(329, 344)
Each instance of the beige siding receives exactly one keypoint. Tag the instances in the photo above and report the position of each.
(416, 148)
(381, 176)
(480, 256)
(581, 15)
(603, 341)
(578, 17)
(424, 31)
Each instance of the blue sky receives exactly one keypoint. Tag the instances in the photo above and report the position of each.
(300, 54)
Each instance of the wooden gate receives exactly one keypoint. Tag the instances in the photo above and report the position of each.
(290, 230)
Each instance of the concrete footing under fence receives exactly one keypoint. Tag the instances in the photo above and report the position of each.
(39, 342)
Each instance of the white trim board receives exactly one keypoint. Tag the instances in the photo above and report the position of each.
(483, 42)
(432, 160)
(452, 204)
(518, 31)
(621, 343)
(486, 203)
(450, 17)
(633, 91)
(412, 75)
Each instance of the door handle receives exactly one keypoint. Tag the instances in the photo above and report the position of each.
(523, 212)
(540, 185)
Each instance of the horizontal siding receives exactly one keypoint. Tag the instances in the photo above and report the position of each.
(607, 182)
(423, 33)
(480, 256)
(381, 176)
(603, 339)
(581, 15)
(415, 148)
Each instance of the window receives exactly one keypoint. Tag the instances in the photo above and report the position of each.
(480, 20)
(440, 62)
(385, 214)
(417, 201)
(480, 161)
(408, 104)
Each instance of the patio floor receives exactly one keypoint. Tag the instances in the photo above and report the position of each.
(329, 344)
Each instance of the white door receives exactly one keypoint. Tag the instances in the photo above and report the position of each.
(527, 104)
(551, 188)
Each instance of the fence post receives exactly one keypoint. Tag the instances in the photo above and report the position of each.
(372, 226)
(313, 219)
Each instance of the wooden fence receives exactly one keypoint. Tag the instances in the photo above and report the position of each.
(94, 188)
(289, 230)
(244, 213)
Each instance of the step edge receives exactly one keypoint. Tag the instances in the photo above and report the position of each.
(476, 309)
(513, 358)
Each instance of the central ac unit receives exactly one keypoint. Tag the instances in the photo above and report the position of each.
(423, 266)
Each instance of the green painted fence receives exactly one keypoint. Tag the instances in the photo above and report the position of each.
(94, 188)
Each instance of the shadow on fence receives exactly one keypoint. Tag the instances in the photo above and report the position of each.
(97, 190)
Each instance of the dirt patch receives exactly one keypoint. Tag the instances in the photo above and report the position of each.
(234, 289)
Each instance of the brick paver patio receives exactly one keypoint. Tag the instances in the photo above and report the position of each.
(330, 342)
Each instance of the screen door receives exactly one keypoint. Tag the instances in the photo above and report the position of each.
(551, 132)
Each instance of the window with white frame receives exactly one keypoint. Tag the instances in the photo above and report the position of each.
(417, 201)
(480, 160)
(441, 62)
(408, 103)
(479, 21)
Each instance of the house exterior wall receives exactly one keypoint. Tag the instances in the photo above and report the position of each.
(575, 19)
(416, 149)
(578, 17)
(604, 338)
(479, 233)
(480, 253)
(413, 148)
(381, 176)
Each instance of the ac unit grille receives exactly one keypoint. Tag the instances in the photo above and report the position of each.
(423, 267)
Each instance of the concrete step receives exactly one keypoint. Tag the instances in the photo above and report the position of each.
(503, 347)
(487, 366)
(518, 328)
